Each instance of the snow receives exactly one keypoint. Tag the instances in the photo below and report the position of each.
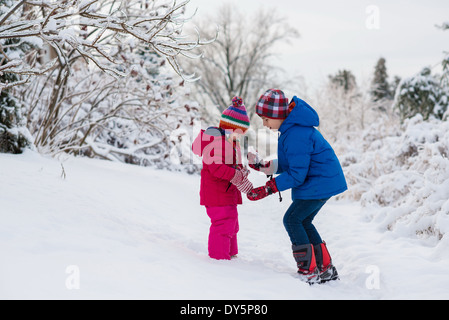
(93, 229)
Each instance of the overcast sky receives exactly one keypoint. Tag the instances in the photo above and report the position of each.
(354, 34)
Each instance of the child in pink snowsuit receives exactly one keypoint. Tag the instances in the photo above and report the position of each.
(223, 178)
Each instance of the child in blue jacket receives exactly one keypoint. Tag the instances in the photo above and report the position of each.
(307, 164)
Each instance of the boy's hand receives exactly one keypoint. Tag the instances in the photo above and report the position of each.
(264, 191)
(253, 158)
(259, 165)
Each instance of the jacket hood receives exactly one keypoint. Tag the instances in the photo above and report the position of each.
(302, 114)
(205, 138)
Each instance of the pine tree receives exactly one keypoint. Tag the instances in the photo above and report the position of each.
(14, 137)
(394, 85)
(444, 100)
(380, 88)
(421, 94)
(445, 76)
(344, 79)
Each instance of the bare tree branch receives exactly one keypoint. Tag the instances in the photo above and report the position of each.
(239, 61)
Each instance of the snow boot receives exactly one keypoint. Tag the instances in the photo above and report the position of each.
(327, 271)
(305, 259)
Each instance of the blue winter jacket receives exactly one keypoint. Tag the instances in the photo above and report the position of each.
(306, 162)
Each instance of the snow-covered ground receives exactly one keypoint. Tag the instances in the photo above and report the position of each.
(103, 230)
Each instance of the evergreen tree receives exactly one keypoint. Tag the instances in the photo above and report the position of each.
(14, 137)
(394, 85)
(444, 100)
(380, 88)
(421, 94)
(344, 79)
(445, 76)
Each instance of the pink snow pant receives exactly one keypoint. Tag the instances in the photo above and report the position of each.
(223, 232)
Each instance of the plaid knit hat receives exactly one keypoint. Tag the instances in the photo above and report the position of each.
(235, 117)
(273, 104)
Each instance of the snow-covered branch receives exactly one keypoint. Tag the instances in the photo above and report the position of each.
(96, 29)
(16, 67)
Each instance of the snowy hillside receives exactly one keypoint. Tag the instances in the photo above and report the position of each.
(92, 229)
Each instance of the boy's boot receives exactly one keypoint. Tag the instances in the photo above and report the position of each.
(327, 271)
(305, 259)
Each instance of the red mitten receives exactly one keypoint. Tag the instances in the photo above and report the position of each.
(241, 181)
(264, 191)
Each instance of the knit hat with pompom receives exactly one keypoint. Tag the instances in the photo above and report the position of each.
(235, 117)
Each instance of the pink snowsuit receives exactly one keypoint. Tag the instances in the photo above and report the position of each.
(220, 197)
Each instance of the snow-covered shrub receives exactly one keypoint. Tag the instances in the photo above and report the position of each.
(181, 155)
(129, 119)
(405, 174)
(108, 83)
(369, 147)
(445, 85)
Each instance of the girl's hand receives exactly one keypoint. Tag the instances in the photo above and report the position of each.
(245, 171)
(241, 181)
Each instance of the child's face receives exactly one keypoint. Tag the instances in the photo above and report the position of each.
(273, 124)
